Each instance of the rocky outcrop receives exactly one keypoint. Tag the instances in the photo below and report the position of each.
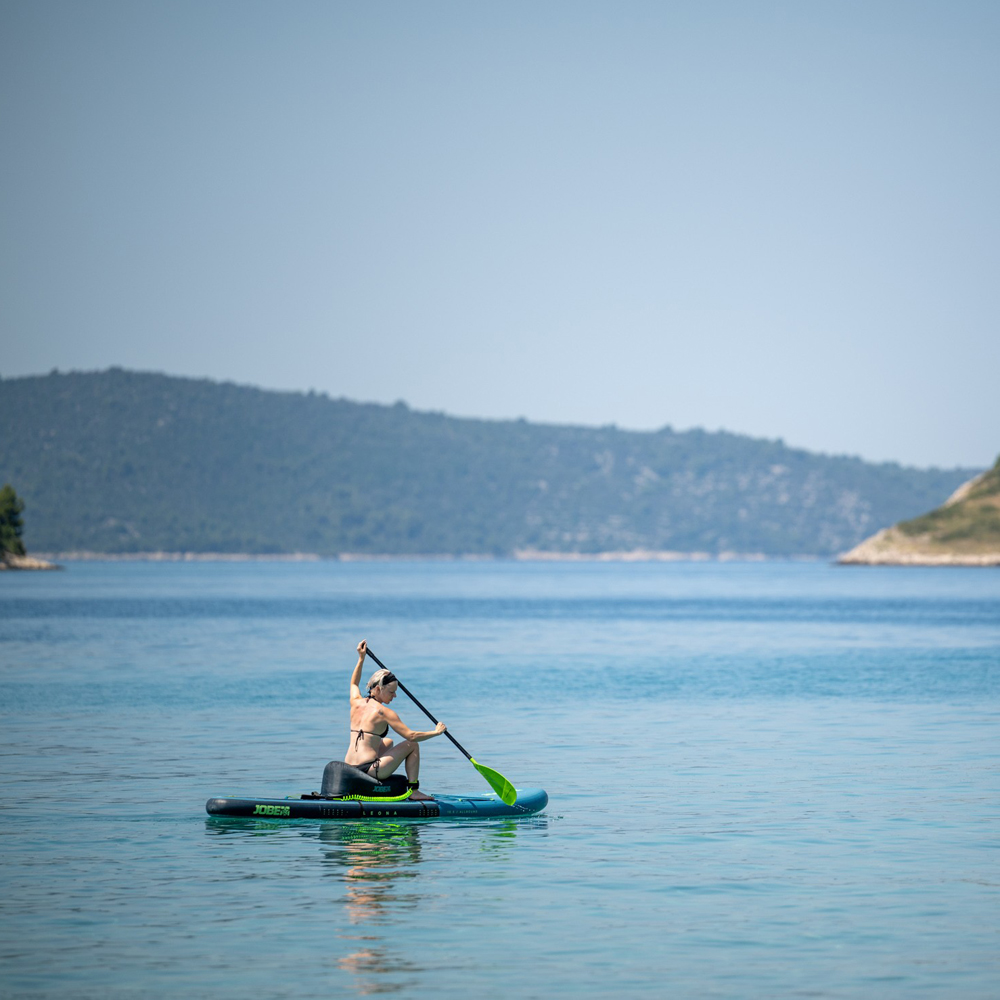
(963, 531)
(10, 561)
(892, 548)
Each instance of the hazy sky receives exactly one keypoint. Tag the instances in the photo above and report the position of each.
(781, 219)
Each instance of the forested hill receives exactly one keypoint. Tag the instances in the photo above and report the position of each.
(121, 461)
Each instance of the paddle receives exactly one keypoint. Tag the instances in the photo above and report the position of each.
(495, 779)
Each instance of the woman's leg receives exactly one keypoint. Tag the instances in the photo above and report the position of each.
(392, 757)
(406, 751)
(413, 763)
(413, 772)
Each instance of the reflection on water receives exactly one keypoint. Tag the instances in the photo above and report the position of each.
(239, 825)
(377, 862)
(381, 864)
(369, 966)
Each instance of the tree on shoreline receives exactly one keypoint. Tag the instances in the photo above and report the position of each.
(11, 524)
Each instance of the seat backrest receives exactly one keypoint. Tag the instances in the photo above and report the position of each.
(340, 779)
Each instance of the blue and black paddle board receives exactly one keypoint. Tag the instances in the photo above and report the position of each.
(485, 806)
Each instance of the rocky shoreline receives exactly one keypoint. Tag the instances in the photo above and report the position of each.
(13, 562)
(890, 547)
(85, 556)
(521, 555)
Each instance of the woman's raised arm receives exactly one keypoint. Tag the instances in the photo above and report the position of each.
(356, 673)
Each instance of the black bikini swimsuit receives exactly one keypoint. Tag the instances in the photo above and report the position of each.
(367, 768)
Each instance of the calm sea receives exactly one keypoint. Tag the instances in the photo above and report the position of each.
(766, 780)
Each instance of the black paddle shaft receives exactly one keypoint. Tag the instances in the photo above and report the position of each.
(409, 694)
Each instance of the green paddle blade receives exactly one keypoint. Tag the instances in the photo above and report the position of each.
(497, 782)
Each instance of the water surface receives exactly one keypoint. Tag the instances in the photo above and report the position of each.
(765, 780)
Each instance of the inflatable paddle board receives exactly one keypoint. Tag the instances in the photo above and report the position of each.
(484, 806)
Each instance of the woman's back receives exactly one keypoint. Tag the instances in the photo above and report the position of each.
(367, 730)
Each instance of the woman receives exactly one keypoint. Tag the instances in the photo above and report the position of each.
(371, 720)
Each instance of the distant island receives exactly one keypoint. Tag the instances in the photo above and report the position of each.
(963, 531)
(127, 464)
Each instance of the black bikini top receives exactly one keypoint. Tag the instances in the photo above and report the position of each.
(365, 732)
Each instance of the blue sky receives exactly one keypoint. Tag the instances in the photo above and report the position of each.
(776, 218)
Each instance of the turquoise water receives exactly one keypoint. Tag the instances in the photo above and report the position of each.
(765, 780)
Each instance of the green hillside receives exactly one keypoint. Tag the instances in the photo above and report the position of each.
(121, 461)
(970, 523)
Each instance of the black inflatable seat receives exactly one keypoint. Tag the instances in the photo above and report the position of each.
(341, 780)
